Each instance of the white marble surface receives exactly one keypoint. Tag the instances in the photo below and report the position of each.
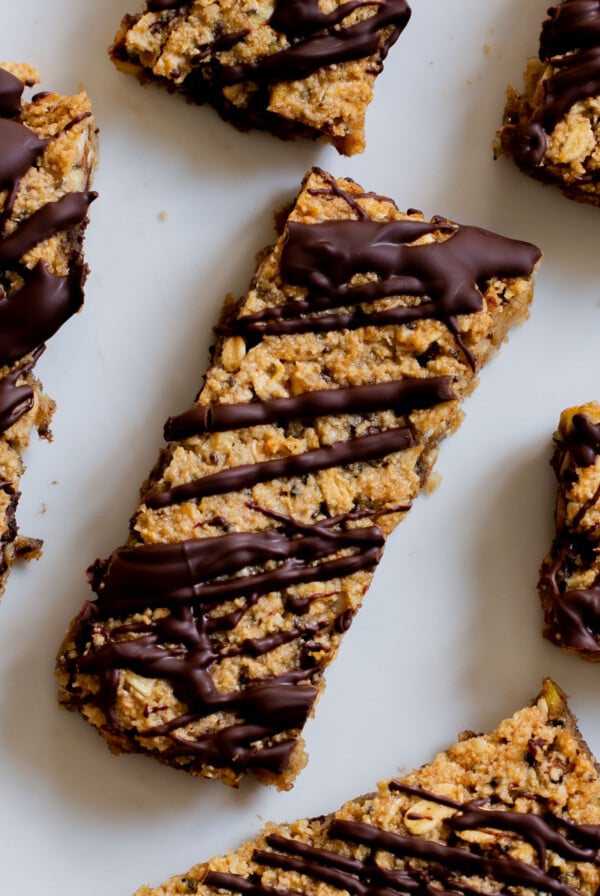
(450, 634)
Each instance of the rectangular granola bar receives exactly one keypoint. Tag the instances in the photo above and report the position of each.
(331, 385)
(290, 67)
(516, 810)
(46, 164)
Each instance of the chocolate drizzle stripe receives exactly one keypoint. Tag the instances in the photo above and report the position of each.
(44, 223)
(583, 440)
(291, 572)
(403, 396)
(573, 25)
(33, 314)
(20, 149)
(364, 38)
(313, 869)
(572, 616)
(323, 258)
(345, 872)
(540, 831)
(10, 95)
(511, 872)
(362, 448)
(236, 747)
(16, 400)
(164, 5)
(233, 882)
(156, 575)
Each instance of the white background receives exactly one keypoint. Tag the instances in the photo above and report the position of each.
(450, 634)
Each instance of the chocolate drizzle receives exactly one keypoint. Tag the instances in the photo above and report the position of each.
(38, 310)
(15, 399)
(315, 39)
(402, 395)
(174, 574)
(11, 90)
(570, 43)
(164, 5)
(245, 476)
(572, 615)
(572, 25)
(314, 51)
(424, 867)
(44, 223)
(583, 440)
(45, 301)
(323, 258)
(183, 646)
(166, 611)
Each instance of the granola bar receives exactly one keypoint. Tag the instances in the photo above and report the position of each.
(48, 155)
(552, 128)
(331, 385)
(516, 810)
(288, 66)
(569, 585)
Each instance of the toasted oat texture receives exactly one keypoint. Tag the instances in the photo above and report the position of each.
(517, 810)
(48, 155)
(552, 128)
(292, 67)
(569, 585)
(332, 383)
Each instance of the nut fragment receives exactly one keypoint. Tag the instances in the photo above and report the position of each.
(424, 816)
(234, 350)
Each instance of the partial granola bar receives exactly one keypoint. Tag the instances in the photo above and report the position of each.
(569, 585)
(292, 67)
(48, 155)
(517, 810)
(552, 128)
(331, 385)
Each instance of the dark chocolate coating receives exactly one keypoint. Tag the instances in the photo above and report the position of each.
(11, 91)
(324, 257)
(402, 395)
